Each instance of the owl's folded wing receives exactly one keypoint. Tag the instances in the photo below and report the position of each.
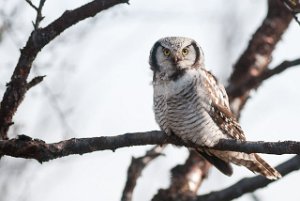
(220, 110)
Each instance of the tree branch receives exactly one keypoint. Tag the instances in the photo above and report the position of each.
(35, 81)
(135, 170)
(257, 56)
(279, 148)
(25, 147)
(32, 5)
(255, 82)
(248, 185)
(17, 87)
(38, 10)
(39, 16)
(280, 68)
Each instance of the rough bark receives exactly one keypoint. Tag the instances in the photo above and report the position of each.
(257, 56)
(25, 147)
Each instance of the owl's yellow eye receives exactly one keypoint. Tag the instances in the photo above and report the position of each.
(185, 51)
(166, 52)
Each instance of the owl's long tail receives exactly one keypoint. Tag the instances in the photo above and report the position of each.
(251, 161)
(221, 165)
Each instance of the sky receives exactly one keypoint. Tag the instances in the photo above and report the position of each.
(99, 84)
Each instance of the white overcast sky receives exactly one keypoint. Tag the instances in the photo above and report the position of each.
(98, 77)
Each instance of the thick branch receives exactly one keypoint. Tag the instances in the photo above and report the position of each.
(25, 147)
(248, 185)
(17, 87)
(257, 56)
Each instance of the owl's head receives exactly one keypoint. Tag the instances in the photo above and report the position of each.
(170, 57)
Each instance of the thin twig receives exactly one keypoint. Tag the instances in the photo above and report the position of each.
(255, 82)
(35, 81)
(280, 68)
(31, 4)
(39, 16)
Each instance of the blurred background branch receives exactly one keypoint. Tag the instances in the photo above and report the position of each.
(38, 10)
(248, 185)
(257, 56)
(135, 170)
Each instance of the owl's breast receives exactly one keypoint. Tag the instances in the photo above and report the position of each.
(181, 109)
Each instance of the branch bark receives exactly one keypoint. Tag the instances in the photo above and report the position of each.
(257, 56)
(25, 147)
(35, 81)
(255, 82)
(248, 185)
(17, 87)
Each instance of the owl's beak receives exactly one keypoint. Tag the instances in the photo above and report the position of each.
(177, 58)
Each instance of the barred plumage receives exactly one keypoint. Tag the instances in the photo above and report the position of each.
(190, 103)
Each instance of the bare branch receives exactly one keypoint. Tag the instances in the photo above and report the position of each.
(41, 151)
(35, 81)
(248, 185)
(280, 68)
(135, 170)
(38, 10)
(39, 16)
(25, 147)
(17, 87)
(31, 4)
(257, 56)
(255, 82)
(285, 147)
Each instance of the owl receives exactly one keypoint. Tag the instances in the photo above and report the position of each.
(191, 104)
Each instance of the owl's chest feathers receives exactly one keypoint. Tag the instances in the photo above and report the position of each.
(177, 103)
(181, 108)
